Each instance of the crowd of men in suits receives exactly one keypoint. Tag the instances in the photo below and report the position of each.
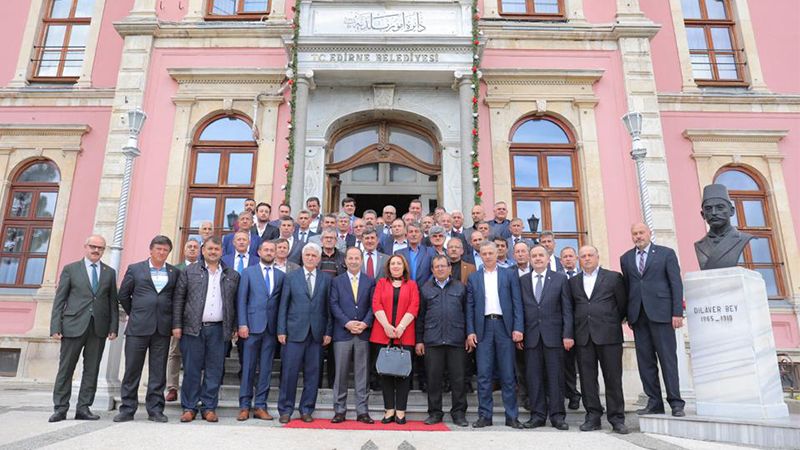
(492, 304)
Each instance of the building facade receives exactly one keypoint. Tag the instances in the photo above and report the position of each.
(383, 111)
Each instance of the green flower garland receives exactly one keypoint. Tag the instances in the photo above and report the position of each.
(292, 82)
(476, 92)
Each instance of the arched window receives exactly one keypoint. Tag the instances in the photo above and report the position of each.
(544, 179)
(27, 224)
(753, 216)
(221, 174)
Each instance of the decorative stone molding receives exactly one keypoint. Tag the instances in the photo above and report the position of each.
(734, 101)
(565, 94)
(713, 149)
(61, 144)
(58, 97)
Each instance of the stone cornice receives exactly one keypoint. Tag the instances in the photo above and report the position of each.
(190, 30)
(566, 31)
(727, 136)
(734, 101)
(26, 129)
(196, 76)
(35, 96)
(541, 76)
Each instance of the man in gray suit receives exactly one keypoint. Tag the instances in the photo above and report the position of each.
(374, 261)
(85, 313)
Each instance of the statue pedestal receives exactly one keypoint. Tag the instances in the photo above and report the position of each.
(734, 365)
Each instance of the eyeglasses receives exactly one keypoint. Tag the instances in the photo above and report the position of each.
(98, 248)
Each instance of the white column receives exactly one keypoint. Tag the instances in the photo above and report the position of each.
(304, 82)
(465, 94)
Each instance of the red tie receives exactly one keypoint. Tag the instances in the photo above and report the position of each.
(370, 267)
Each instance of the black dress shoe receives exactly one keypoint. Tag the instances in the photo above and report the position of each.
(620, 428)
(678, 411)
(400, 421)
(158, 417)
(514, 423)
(650, 410)
(482, 422)
(433, 420)
(534, 423)
(386, 420)
(574, 403)
(86, 415)
(461, 421)
(338, 418)
(284, 418)
(589, 426)
(563, 426)
(122, 417)
(57, 417)
(365, 418)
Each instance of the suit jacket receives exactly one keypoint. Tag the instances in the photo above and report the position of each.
(386, 244)
(75, 304)
(559, 267)
(189, 299)
(300, 313)
(270, 232)
(311, 233)
(380, 270)
(228, 249)
(254, 308)
(296, 250)
(510, 302)
(345, 308)
(229, 260)
(149, 311)
(659, 290)
(467, 269)
(349, 241)
(510, 243)
(599, 318)
(423, 263)
(500, 229)
(550, 319)
(407, 302)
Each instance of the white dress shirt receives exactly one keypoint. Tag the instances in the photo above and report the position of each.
(291, 243)
(245, 260)
(522, 272)
(313, 280)
(212, 311)
(553, 263)
(491, 294)
(88, 265)
(589, 279)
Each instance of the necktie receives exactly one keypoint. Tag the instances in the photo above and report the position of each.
(354, 285)
(303, 236)
(266, 279)
(538, 289)
(370, 266)
(570, 273)
(310, 284)
(240, 264)
(95, 281)
(358, 245)
(516, 241)
(641, 262)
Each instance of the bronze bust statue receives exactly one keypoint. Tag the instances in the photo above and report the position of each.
(722, 246)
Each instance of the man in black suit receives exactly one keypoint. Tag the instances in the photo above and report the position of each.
(655, 309)
(569, 264)
(85, 313)
(548, 332)
(599, 301)
(146, 296)
(262, 230)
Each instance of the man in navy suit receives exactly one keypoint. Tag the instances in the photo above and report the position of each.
(242, 257)
(548, 240)
(495, 322)
(304, 230)
(655, 309)
(146, 296)
(245, 223)
(303, 328)
(257, 305)
(351, 312)
(417, 255)
(548, 332)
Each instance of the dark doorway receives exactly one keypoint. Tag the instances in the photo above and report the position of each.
(377, 202)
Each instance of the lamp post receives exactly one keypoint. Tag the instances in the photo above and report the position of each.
(533, 225)
(633, 123)
(108, 377)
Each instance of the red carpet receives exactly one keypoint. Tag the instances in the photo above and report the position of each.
(325, 424)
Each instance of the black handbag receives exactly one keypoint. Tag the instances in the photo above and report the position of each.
(394, 360)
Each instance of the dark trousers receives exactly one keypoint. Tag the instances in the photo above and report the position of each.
(496, 351)
(156, 347)
(452, 359)
(544, 370)
(396, 389)
(259, 351)
(571, 375)
(610, 359)
(657, 340)
(71, 347)
(306, 355)
(522, 383)
(203, 367)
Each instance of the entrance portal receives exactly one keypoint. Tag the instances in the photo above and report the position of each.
(378, 201)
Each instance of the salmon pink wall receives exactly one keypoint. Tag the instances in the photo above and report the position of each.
(619, 178)
(666, 64)
(775, 24)
(12, 24)
(150, 172)
(109, 44)
(83, 197)
(598, 11)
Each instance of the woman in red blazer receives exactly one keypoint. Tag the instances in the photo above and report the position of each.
(395, 286)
